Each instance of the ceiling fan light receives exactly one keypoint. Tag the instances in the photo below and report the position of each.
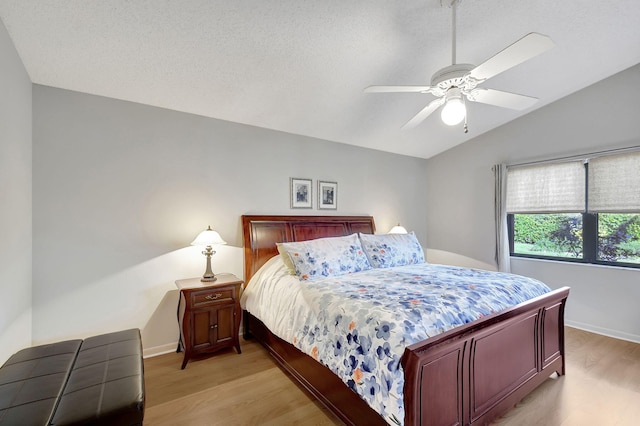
(454, 111)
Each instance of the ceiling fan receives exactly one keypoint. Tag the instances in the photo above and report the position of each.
(457, 82)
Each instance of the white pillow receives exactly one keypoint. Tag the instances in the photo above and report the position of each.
(286, 259)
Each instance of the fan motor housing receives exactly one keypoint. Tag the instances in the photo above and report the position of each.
(450, 76)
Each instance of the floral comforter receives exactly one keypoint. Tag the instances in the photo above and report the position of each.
(360, 323)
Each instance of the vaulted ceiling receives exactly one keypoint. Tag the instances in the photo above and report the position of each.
(301, 66)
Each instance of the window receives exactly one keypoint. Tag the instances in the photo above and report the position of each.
(581, 211)
(619, 238)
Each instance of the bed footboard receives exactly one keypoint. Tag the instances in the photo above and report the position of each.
(476, 372)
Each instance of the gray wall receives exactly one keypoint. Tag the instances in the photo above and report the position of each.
(121, 189)
(15, 200)
(460, 194)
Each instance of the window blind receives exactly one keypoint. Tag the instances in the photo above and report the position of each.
(614, 184)
(546, 188)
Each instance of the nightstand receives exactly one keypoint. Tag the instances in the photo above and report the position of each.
(209, 315)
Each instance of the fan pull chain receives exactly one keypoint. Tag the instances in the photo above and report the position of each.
(466, 129)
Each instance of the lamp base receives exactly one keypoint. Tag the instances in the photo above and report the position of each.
(208, 279)
(208, 276)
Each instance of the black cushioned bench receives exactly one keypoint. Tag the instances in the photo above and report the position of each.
(98, 381)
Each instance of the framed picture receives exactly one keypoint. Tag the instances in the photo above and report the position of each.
(327, 195)
(301, 193)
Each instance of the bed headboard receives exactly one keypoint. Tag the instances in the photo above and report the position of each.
(261, 233)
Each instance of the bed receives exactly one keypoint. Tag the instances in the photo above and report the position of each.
(468, 375)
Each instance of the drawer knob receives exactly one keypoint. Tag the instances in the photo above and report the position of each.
(214, 326)
(213, 296)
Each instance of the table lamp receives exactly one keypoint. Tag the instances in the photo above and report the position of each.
(208, 238)
(398, 229)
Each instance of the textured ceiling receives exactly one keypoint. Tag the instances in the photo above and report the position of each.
(300, 66)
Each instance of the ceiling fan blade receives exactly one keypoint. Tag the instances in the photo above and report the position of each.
(501, 99)
(397, 89)
(529, 46)
(423, 114)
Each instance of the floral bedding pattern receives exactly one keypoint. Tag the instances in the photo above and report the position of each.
(388, 250)
(360, 324)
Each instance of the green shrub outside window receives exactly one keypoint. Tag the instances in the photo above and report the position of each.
(562, 236)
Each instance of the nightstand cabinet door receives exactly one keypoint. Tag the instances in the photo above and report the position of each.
(223, 330)
(203, 323)
(213, 328)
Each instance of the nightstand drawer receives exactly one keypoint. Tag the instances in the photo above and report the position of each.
(212, 297)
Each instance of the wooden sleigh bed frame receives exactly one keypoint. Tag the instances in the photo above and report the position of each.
(469, 375)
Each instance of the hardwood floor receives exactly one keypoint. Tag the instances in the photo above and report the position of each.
(227, 389)
(601, 387)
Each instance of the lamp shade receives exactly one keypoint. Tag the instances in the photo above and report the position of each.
(398, 229)
(208, 237)
(454, 111)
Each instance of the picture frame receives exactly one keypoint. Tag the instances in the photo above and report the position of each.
(301, 193)
(327, 195)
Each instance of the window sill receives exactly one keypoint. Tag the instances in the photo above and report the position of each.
(625, 267)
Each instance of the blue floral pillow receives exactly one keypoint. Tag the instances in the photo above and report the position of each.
(385, 251)
(326, 257)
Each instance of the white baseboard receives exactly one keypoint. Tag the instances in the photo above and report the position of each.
(604, 331)
(159, 350)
